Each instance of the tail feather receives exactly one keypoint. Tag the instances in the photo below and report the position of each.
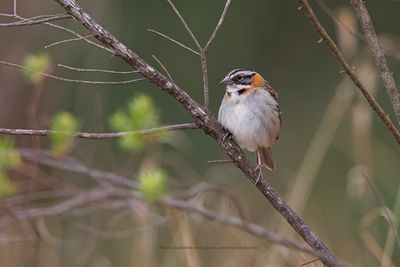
(265, 158)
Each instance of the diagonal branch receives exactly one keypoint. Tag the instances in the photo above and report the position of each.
(207, 123)
(184, 24)
(379, 57)
(219, 24)
(348, 70)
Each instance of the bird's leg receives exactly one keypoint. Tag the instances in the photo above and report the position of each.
(259, 166)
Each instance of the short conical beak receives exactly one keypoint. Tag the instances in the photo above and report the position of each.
(226, 81)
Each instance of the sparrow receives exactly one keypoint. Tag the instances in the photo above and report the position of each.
(250, 111)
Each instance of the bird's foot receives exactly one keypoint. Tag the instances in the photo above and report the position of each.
(227, 135)
(259, 169)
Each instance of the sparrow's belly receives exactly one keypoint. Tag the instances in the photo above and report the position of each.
(253, 122)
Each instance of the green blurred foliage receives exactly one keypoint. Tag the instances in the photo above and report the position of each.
(153, 185)
(63, 124)
(34, 65)
(9, 158)
(141, 113)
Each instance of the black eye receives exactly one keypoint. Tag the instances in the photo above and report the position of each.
(239, 78)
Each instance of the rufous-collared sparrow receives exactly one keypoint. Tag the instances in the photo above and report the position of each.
(250, 111)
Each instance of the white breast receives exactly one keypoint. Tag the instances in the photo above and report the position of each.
(252, 118)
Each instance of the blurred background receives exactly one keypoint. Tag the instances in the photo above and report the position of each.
(337, 164)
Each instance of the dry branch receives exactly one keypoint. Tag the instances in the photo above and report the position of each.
(33, 21)
(379, 57)
(348, 70)
(70, 80)
(86, 135)
(207, 123)
(72, 165)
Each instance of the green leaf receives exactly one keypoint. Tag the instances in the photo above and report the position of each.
(6, 187)
(9, 157)
(33, 65)
(64, 124)
(153, 185)
(141, 113)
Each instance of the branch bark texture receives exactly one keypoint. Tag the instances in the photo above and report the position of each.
(379, 57)
(205, 121)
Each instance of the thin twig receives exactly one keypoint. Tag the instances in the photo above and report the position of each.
(15, 7)
(220, 161)
(97, 70)
(309, 262)
(70, 164)
(77, 35)
(203, 54)
(348, 70)
(15, 15)
(184, 24)
(68, 40)
(70, 80)
(219, 24)
(204, 72)
(174, 41)
(85, 135)
(29, 22)
(381, 199)
(380, 61)
(162, 66)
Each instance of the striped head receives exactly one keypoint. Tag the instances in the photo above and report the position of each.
(242, 79)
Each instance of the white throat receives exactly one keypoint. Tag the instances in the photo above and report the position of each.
(235, 88)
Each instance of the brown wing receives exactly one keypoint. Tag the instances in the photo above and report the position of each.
(274, 94)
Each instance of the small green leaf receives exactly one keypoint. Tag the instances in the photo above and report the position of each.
(153, 185)
(33, 65)
(6, 187)
(9, 157)
(141, 113)
(64, 124)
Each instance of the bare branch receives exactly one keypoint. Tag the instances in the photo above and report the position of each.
(207, 123)
(203, 54)
(174, 41)
(184, 24)
(250, 228)
(204, 73)
(348, 70)
(77, 35)
(85, 135)
(70, 80)
(32, 21)
(162, 66)
(380, 61)
(75, 166)
(96, 70)
(68, 40)
(328, 10)
(15, 7)
(219, 24)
